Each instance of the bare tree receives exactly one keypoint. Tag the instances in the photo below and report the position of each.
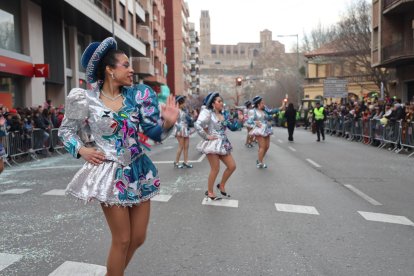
(354, 33)
(319, 36)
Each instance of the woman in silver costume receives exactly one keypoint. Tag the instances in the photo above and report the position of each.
(116, 172)
(249, 138)
(261, 128)
(182, 133)
(211, 126)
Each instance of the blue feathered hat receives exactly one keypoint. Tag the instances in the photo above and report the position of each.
(209, 98)
(256, 100)
(93, 54)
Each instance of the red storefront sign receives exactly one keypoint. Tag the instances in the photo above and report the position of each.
(22, 68)
(17, 67)
(41, 70)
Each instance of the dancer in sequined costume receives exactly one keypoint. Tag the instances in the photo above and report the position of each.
(182, 133)
(117, 173)
(211, 125)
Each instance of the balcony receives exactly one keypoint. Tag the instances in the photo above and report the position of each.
(398, 53)
(398, 6)
(105, 7)
(144, 33)
(142, 66)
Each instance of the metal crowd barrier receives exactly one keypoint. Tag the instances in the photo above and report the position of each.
(29, 145)
(55, 142)
(407, 135)
(399, 135)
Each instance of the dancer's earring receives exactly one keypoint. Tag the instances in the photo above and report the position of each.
(112, 76)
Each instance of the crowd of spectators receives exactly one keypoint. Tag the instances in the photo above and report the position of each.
(24, 120)
(388, 110)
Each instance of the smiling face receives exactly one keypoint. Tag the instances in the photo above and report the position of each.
(122, 71)
(218, 104)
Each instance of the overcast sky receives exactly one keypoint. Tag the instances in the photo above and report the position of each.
(234, 21)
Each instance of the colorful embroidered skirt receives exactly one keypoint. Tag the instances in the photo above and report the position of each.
(114, 184)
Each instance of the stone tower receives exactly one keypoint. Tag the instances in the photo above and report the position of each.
(205, 38)
(265, 38)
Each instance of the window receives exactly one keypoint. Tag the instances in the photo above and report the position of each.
(67, 48)
(130, 23)
(122, 15)
(81, 48)
(10, 26)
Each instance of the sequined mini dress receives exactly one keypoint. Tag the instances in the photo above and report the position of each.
(127, 176)
(262, 116)
(208, 124)
(181, 126)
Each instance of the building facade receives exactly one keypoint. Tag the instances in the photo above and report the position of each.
(178, 47)
(56, 32)
(328, 62)
(194, 61)
(393, 44)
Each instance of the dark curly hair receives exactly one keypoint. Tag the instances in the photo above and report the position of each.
(108, 60)
(210, 106)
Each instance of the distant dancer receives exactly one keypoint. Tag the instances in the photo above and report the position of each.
(261, 128)
(211, 126)
(182, 133)
(249, 138)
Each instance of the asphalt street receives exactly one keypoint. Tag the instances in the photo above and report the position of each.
(330, 208)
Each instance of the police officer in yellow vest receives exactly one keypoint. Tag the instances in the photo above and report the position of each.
(319, 119)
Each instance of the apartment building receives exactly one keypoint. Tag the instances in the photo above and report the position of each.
(56, 32)
(178, 46)
(393, 44)
(194, 61)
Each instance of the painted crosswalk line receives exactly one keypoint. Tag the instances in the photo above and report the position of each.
(8, 259)
(161, 198)
(223, 202)
(296, 209)
(313, 163)
(75, 268)
(386, 218)
(15, 191)
(56, 192)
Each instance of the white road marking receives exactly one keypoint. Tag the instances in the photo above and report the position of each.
(15, 192)
(199, 160)
(364, 196)
(280, 141)
(161, 198)
(313, 163)
(296, 209)
(167, 147)
(56, 192)
(75, 268)
(45, 168)
(8, 259)
(292, 149)
(223, 202)
(386, 218)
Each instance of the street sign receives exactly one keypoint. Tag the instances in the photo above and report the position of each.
(41, 70)
(335, 88)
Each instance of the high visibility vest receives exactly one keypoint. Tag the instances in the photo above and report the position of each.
(319, 115)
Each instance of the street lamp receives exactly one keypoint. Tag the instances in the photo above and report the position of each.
(297, 61)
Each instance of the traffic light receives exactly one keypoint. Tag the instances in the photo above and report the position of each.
(239, 81)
